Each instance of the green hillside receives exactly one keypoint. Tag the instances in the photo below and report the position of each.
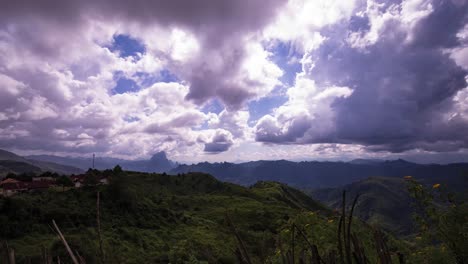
(12, 163)
(154, 218)
(189, 218)
(17, 167)
(384, 202)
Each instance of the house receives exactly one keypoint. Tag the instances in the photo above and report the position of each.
(103, 180)
(8, 180)
(43, 179)
(5, 181)
(78, 180)
(11, 188)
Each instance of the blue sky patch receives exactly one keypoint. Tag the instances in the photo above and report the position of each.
(124, 85)
(131, 119)
(126, 46)
(284, 55)
(264, 106)
(213, 106)
(148, 79)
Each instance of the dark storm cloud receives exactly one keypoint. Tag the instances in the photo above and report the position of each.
(268, 131)
(402, 92)
(219, 25)
(219, 143)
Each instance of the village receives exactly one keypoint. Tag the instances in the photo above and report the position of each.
(16, 184)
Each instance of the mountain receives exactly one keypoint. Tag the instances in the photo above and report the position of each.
(157, 163)
(17, 167)
(365, 161)
(383, 201)
(308, 175)
(12, 163)
(6, 155)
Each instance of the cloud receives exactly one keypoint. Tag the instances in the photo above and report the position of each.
(215, 32)
(398, 83)
(386, 76)
(220, 142)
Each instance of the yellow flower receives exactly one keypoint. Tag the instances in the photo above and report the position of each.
(418, 238)
(435, 186)
(408, 177)
(330, 221)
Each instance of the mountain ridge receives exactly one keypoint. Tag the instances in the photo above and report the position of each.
(321, 174)
(13, 163)
(157, 163)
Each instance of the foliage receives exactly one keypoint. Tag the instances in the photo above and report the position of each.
(64, 181)
(151, 218)
(442, 220)
(158, 218)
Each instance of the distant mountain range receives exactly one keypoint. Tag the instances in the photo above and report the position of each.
(308, 175)
(12, 163)
(157, 163)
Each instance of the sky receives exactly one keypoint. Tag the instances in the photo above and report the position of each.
(222, 80)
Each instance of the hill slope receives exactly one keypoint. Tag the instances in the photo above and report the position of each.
(12, 163)
(384, 202)
(150, 218)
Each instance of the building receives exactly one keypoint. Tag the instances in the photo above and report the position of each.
(43, 179)
(11, 188)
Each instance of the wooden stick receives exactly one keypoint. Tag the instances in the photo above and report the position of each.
(98, 220)
(64, 241)
(348, 231)
(243, 250)
(293, 242)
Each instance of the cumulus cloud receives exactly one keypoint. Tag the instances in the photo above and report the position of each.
(398, 82)
(376, 76)
(220, 141)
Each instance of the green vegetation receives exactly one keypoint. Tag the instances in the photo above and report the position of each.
(152, 218)
(442, 220)
(385, 202)
(194, 218)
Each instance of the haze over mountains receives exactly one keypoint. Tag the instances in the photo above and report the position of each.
(12, 163)
(157, 163)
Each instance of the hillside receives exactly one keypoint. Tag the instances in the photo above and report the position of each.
(17, 167)
(155, 218)
(12, 163)
(188, 218)
(309, 175)
(6, 155)
(384, 202)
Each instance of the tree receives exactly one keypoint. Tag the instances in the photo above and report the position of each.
(90, 179)
(117, 169)
(64, 181)
(441, 217)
